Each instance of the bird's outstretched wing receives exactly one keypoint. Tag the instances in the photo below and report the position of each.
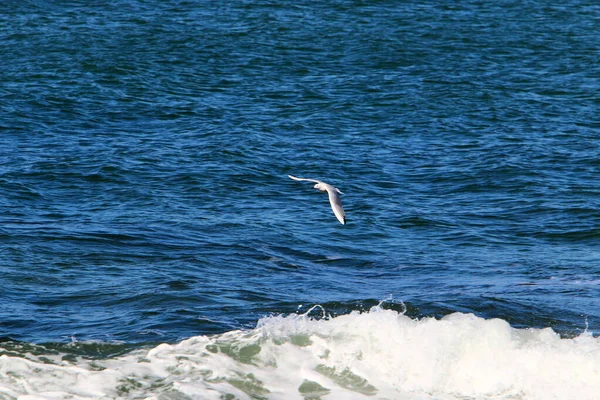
(336, 205)
(304, 179)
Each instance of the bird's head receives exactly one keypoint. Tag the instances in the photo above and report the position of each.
(317, 186)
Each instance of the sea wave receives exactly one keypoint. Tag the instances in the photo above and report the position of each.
(378, 354)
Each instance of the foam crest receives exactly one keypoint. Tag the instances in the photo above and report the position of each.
(380, 354)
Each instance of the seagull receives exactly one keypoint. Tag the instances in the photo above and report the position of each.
(334, 197)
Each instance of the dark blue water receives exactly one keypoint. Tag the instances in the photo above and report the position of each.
(145, 147)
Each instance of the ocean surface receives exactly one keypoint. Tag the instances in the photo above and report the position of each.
(153, 247)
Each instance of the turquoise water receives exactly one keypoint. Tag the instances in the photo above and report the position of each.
(145, 148)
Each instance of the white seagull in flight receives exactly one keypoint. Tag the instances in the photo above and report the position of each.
(334, 197)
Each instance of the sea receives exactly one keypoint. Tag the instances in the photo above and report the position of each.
(152, 245)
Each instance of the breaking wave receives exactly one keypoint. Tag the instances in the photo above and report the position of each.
(379, 354)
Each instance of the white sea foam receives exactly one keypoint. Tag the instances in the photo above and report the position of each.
(377, 355)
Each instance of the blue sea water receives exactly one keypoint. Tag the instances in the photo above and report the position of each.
(144, 197)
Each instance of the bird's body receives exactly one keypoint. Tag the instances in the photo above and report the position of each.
(334, 197)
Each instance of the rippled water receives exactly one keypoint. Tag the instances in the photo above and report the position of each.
(145, 148)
